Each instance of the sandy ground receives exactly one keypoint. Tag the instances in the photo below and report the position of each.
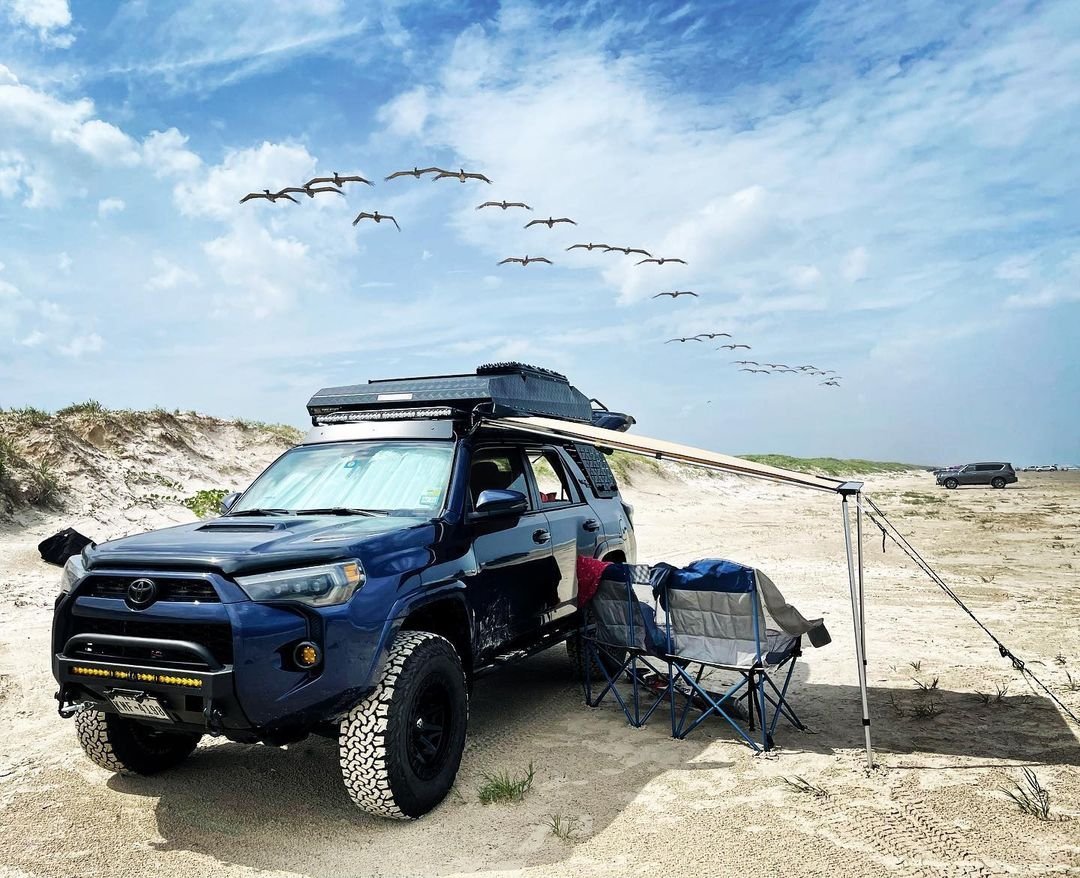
(641, 802)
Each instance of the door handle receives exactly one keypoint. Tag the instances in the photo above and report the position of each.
(591, 524)
(541, 536)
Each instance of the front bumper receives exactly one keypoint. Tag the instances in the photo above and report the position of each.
(221, 664)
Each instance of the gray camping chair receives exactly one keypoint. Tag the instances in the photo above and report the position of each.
(727, 616)
(622, 639)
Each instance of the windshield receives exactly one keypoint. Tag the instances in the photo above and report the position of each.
(387, 476)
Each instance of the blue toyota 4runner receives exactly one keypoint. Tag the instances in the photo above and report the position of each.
(412, 541)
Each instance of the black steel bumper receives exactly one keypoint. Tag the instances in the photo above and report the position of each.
(201, 699)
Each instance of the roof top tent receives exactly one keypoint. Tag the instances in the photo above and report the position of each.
(515, 396)
(493, 390)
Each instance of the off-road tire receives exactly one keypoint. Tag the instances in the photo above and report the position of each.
(123, 745)
(998, 482)
(951, 484)
(576, 652)
(375, 739)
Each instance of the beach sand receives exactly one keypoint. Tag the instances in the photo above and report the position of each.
(639, 801)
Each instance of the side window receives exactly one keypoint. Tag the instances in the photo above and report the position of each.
(497, 468)
(551, 479)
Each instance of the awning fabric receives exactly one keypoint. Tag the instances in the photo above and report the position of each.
(660, 449)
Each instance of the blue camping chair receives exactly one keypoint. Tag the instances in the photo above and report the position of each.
(622, 638)
(724, 615)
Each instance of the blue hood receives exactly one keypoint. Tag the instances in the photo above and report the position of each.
(248, 545)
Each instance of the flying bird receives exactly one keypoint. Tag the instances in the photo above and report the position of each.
(310, 191)
(626, 251)
(807, 368)
(378, 217)
(589, 247)
(524, 260)
(269, 196)
(732, 347)
(550, 221)
(460, 174)
(777, 365)
(745, 363)
(676, 293)
(686, 338)
(712, 335)
(503, 204)
(659, 260)
(416, 172)
(337, 180)
(830, 383)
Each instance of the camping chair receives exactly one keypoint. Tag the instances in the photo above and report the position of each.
(622, 638)
(726, 616)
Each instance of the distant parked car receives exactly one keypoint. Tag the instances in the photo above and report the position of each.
(997, 474)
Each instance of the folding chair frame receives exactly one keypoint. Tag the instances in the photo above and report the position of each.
(756, 679)
(631, 662)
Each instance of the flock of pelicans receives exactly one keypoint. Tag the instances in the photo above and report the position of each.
(335, 184)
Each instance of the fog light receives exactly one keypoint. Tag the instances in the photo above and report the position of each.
(306, 654)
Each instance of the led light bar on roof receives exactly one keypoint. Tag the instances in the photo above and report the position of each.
(435, 413)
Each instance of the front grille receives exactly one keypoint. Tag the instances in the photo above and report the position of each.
(215, 636)
(174, 590)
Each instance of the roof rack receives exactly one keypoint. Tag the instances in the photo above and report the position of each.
(494, 389)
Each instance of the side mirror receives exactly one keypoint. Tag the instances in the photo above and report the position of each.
(495, 503)
(227, 502)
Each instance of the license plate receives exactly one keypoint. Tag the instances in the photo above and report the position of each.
(139, 704)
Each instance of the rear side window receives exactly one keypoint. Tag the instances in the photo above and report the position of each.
(551, 482)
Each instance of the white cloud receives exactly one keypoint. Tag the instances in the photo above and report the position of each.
(47, 17)
(218, 191)
(80, 345)
(168, 275)
(805, 276)
(263, 273)
(108, 206)
(63, 262)
(854, 265)
(406, 114)
(35, 338)
(1044, 297)
(164, 152)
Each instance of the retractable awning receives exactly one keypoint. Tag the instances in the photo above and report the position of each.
(660, 449)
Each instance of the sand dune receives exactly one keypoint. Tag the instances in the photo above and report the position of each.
(641, 802)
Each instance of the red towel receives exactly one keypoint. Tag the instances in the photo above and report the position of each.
(589, 571)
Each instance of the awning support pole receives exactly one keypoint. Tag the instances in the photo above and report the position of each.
(855, 587)
(859, 568)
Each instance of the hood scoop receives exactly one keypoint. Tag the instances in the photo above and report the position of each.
(237, 527)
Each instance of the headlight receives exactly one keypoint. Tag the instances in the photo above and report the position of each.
(321, 586)
(74, 570)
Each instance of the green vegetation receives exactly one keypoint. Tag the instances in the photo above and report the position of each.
(205, 503)
(501, 787)
(90, 407)
(830, 466)
(1034, 799)
(563, 827)
(284, 432)
(624, 464)
(804, 786)
(918, 498)
(30, 416)
(45, 486)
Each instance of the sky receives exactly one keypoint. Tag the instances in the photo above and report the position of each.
(891, 191)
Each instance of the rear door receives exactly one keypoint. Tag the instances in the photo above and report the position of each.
(572, 523)
(968, 475)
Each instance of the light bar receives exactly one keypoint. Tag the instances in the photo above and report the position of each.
(138, 676)
(383, 415)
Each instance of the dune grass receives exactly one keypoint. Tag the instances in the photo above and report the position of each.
(830, 466)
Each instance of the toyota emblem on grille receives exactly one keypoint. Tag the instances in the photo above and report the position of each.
(141, 593)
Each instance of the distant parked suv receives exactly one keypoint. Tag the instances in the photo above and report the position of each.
(996, 474)
(412, 541)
